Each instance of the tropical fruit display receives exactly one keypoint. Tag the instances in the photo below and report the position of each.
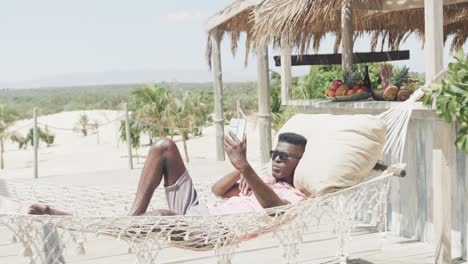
(396, 84)
(351, 89)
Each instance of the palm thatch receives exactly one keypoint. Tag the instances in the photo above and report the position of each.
(305, 22)
(233, 20)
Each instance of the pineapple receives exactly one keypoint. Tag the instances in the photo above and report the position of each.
(399, 79)
(347, 84)
(400, 76)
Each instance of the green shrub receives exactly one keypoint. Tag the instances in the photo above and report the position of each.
(451, 98)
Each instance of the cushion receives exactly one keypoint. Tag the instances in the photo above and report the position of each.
(341, 150)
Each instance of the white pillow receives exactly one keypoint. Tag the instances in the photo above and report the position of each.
(341, 150)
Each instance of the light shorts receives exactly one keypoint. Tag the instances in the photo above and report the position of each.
(181, 196)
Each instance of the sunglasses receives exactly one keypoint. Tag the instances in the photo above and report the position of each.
(282, 155)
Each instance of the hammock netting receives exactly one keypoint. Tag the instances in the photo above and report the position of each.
(102, 211)
(45, 237)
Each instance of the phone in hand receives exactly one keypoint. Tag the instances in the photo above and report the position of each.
(237, 128)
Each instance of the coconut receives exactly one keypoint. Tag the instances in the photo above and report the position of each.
(390, 93)
(403, 95)
(377, 94)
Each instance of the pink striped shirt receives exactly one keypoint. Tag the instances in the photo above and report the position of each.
(249, 203)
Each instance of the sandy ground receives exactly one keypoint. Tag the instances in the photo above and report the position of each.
(73, 153)
(77, 160)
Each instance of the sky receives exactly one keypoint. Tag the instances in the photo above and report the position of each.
(47, 38)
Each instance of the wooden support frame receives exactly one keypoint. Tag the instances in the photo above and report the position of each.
(347, 39)
(443, 152)
(286, 74)
(264, 116)
(358, 57)
(218, 94)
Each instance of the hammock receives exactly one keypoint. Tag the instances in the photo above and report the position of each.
(102, 212)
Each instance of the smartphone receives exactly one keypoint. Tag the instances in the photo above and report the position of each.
(237, 127)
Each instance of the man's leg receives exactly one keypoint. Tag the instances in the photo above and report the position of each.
(163, 161)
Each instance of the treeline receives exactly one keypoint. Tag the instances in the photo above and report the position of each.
(55, 100)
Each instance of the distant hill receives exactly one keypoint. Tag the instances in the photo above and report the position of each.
(124, 77)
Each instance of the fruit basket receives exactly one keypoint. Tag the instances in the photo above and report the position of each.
(354, 97)
(341, 92)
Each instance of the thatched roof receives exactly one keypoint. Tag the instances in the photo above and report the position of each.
(233, 20)
(305, 22)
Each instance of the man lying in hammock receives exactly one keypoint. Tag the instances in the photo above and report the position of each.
(246, 191)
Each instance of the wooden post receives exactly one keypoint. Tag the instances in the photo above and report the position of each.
(218, 94)
(264, 116)
(2, 151)
(286, 75)
(347, 39)
(443, 159)
(127, 134)
(35, 143)
(184, 141)
(97, 133)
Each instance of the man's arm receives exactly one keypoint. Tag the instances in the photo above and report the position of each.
(264, 194)
(227, 186)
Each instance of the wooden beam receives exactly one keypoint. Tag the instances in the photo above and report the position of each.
(218, 94)
(347, 39)
(264, 116)
(286, 75)
(443, 152)
(358, 57)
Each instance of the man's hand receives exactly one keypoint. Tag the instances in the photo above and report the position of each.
(244, 186)
(236, 151)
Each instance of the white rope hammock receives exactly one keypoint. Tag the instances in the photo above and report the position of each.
(102, 211)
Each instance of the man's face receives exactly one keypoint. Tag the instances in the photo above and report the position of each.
(283, 167)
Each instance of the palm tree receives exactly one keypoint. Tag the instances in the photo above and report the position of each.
(84, 122)
(149, 103)
(181, 118)
(7, 118)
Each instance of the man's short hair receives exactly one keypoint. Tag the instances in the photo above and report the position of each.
(293, 138)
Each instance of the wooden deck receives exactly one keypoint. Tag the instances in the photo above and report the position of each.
(367, 246)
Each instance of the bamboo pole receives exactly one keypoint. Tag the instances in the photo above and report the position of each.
(184, 141)
(35, 143)
(127, 134)
(444, 163)
(97, 132)
(286, 74)
(264, 115)
(218, 94)
(347, 39)
(2, 152)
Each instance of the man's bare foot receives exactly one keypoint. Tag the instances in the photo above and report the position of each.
(42, 209)
(39, 209)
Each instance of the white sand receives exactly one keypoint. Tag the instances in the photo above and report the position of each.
(73, 153)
